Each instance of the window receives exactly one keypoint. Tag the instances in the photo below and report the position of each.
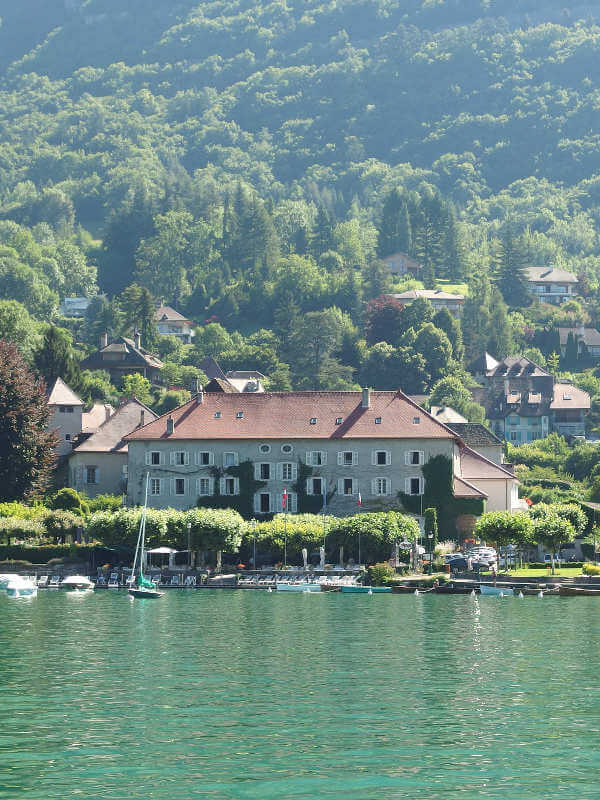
(155, 486)
(262, 472)
(377, 420)
(204, 458)
(347, 458)
(230, 486)
(381, 458)
(179, 486)
(347, 486)
(230, 459)
(381, 487)
(316, 458)
(61, 409)
(315, 486)
(286, 472)
(239, 415)
(415, 458)
(154, 458)
(217, 415)
(313, 420)
(414, 486)
(515, 436)
(263, 503)
(339, 420)
(289, 502)
(416, 420)
(180, 458)
(287, 448)
(204, 486)
(264, 449)
(67, 437)
(91, 474)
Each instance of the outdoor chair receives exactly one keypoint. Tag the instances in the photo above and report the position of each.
(113, 581)
(54, 582)
(101, 581)
(175, 580)
(42, 581)
(190, 580)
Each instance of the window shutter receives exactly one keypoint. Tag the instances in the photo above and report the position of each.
(406, 457)
(341, 487)
(294, 471)
(148, 457)
(79, 474)
(294, 503)
(407, 486)
(172, 486)
(421, 486)
(236, 485)
(196, 458)
(354, 486)
(308, 458)
(388, 486)
(97, 475)
(340, 456)
(186, 458)
(374, 486)
(373, 458)
(279, 472)
(211, 459)
(172, 458)
(354, 458)
(323, 457)
(309, 486)
(221, 485)
(256, 472)
(388, 457)
(198, 486)
(256, 503)
(421, 457)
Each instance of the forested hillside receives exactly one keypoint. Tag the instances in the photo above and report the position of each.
(249, 163)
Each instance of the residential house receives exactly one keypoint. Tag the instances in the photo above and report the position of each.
(446, 414)
(496, 481)
(587, 339)
(98, 464)
(235, 380)
(246, 380)
(438, 299)
(402, 264)
(523, 402)
(550, 285)
(74, 306)
(67, 409)
(124, 356)
(171, 323)
(371, 445)
(477, 437)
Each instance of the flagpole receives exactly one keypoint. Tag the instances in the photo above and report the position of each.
(285, 510)
(359, 503)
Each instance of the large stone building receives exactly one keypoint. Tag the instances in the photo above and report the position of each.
(67, 410)
(342, 445)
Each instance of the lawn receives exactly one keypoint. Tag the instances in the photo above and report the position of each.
(564, 572)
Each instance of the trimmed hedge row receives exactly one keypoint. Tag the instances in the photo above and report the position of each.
(544, 564)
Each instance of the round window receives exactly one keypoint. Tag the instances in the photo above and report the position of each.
(265, 448)
(287, 448)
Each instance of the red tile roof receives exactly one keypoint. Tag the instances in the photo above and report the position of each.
(288, 416)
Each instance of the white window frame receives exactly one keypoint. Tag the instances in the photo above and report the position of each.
(341, 491)
(174, 492)
(375, 487)
(236, 486)
(235, 458)
(266, 450)
(407, 485)
(257, 509)
(186, 458)
(407, 458)
(257, 470)
(198, 460)
(294, 466)
(287, 452)
(292, 503)
(316, 458)
(342, 462)
(96, 480)
(388, 458)
(155, 481)
(211, 487)
(310, 486)
(149, 458)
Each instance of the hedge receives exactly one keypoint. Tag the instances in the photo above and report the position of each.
(42, 554)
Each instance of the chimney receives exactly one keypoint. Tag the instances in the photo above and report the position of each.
(581, 331)
(107, 413)
(366, 398)
(170, 425)
(199, 393)
(103, 340)
(142, 415)
(138, 340)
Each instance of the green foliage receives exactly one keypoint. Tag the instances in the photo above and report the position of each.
(570, 512)
(431, 529)
(20, 528)
(591, 569)
(136, 385)
(380, 574)
(69, 500)
(104, 502)
(502, 528)
(378, 533)
(61, 524)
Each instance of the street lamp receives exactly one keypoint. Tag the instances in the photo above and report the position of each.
(189, 533)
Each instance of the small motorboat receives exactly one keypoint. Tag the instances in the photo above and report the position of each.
(451, 588)
(573, 591)
(77, 583)
(298, 587)
(366, 589)
(20, 587)
(496, 591)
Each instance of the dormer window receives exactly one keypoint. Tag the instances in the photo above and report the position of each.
(339, 420)
(313, 420)
(377, 420)
(217, 415)
(240, 415)
(416, 420)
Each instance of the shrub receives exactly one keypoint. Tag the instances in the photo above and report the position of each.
(105, 502)
(544, 564)
(69, 500)
(380, 574)
(15, 528)
(591, 569)
(60, 524)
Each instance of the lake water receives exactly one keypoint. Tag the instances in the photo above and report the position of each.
(245, 694)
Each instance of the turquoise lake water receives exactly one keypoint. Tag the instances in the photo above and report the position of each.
(244, 694)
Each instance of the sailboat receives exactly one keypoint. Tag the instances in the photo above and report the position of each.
(140, 585)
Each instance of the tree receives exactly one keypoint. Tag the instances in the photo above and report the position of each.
(17, 326)
(136, 386)
(503, 527)
(554, 532)
(510, 262)
(55, 359)
(394, 231)
(452, 391)
(383, 320)
(571, 352)
(26, 445)
(500, 341)
(434, 346)
(444, 320)
(139, 314)
(431, 529)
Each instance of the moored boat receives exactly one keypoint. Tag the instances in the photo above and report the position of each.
(77, 583)
(573, 591)
(496, 591)
(20, 587)
(298, 587)
(453, 589)
(366, 589)
(141, 587)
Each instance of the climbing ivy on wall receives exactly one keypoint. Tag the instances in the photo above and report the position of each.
(242, 502)
(308, 503)
(439, 493)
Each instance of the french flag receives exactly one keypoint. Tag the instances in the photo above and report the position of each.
(284, 498)
(359, 501)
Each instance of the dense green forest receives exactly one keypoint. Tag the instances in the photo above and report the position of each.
(251, 163)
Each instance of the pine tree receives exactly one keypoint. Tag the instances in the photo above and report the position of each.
(510, 263)
(428, 239)
(453, 259)
(500, 340)
(55, 359)
(476, 314)
(394, 226)
(451, 327)
(322, 235)
(26, 445)
(571, 352)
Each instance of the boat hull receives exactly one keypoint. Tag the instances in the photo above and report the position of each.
(21, 591)
(367, 589)
(496, 591)
(298, 587)
(571, 591)
(149, 594)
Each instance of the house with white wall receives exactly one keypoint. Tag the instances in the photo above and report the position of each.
(551, 285)
(66, 415)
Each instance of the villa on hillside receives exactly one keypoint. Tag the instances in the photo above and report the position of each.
(171, 323)
(304, 446)
(67, 410)
(550, 285)
(124, 356)
(438, 299)
(587, 339)
(402, 264)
